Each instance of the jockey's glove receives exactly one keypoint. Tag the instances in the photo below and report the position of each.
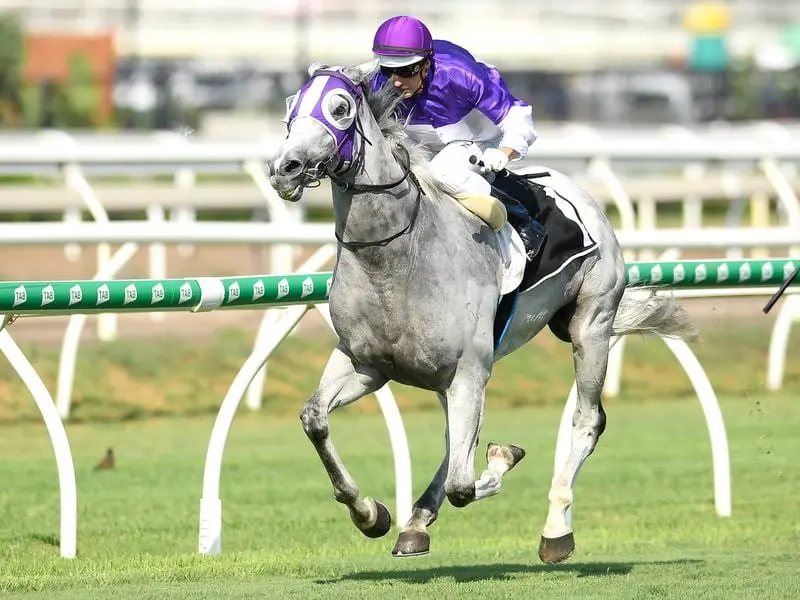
(494, 159)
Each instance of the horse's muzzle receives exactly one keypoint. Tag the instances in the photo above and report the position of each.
(287, 175)
(290, 177)
(288, 188)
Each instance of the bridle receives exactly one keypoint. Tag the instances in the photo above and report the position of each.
(337, 168)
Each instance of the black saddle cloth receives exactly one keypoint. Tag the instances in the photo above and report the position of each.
(567, 236)
(568, 240)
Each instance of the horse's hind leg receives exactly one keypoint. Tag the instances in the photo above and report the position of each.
(590, 331)
(341, 384)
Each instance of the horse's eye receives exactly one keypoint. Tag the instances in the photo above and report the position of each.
(340, 110)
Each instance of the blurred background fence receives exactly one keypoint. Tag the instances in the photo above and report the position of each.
(153, 64)
(675, 115)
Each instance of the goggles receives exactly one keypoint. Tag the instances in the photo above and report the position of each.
(404, 72)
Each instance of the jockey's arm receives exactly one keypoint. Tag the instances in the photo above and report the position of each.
(512, 115)
(518, 130)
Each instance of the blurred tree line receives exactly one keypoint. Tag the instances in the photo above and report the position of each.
(11, 61)
(73, 102)
(759, 94)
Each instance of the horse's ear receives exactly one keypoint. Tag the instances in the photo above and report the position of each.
(314, 67)
(363, 71)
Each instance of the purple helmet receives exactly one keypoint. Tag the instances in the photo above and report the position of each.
(402, 41)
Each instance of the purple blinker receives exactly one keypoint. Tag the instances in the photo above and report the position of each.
(313, 100)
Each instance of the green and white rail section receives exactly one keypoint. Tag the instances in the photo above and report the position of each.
(292, 295)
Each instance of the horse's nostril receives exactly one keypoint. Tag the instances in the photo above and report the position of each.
(290, 166)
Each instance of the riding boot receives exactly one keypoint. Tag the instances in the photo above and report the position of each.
(532, 233)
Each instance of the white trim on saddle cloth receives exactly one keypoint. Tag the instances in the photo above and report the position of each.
(514, 257)
(553, 265)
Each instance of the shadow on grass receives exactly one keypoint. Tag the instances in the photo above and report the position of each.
(51, 540)
(466, 573)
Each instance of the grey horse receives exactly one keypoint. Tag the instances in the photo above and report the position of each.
(415, 292)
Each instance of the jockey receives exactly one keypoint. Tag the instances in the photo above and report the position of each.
(459, 108)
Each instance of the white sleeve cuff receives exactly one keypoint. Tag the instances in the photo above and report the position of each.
(518, 130)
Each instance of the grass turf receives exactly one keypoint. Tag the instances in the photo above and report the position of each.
(644, 519)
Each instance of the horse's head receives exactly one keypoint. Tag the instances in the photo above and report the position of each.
(321, 120)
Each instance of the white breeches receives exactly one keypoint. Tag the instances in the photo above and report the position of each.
(451, 165)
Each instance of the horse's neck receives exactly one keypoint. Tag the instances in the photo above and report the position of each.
(374, 216)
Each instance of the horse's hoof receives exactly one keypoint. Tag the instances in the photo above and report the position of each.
(383, 523)
(556, 550)
(509, 453)
(517, 453)
(412, 543)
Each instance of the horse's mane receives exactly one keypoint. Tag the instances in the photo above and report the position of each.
(383, 104)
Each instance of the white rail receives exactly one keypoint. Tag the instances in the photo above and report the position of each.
(210, 521)
(237, 232)
(199, 154)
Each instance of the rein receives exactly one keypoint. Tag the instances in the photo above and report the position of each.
(359, 188)
(336, 177)
(342, 167)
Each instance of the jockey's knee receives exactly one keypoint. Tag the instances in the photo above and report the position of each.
(452, 167)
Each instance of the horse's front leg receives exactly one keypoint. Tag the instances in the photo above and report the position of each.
(414, 539)
(465, 401)
(463, 404)
(343, 383)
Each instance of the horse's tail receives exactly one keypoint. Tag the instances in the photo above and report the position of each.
(644, 312)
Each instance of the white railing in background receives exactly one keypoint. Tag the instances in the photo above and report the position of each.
(756, 162)
(200, 153)
(322, 235)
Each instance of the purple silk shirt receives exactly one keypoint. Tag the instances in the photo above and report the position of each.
(456, 86)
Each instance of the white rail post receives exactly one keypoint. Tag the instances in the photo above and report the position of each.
(76, 181)
(157, 253)
(210, 535)
(647, 222)
(695, 171)
(106, 322)
(779, 341)
(68, 490)
(616, 355)
(732, 187)
(72, 215)
(281, 258)
(184, 179)
(786, 196)
(72, 334)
